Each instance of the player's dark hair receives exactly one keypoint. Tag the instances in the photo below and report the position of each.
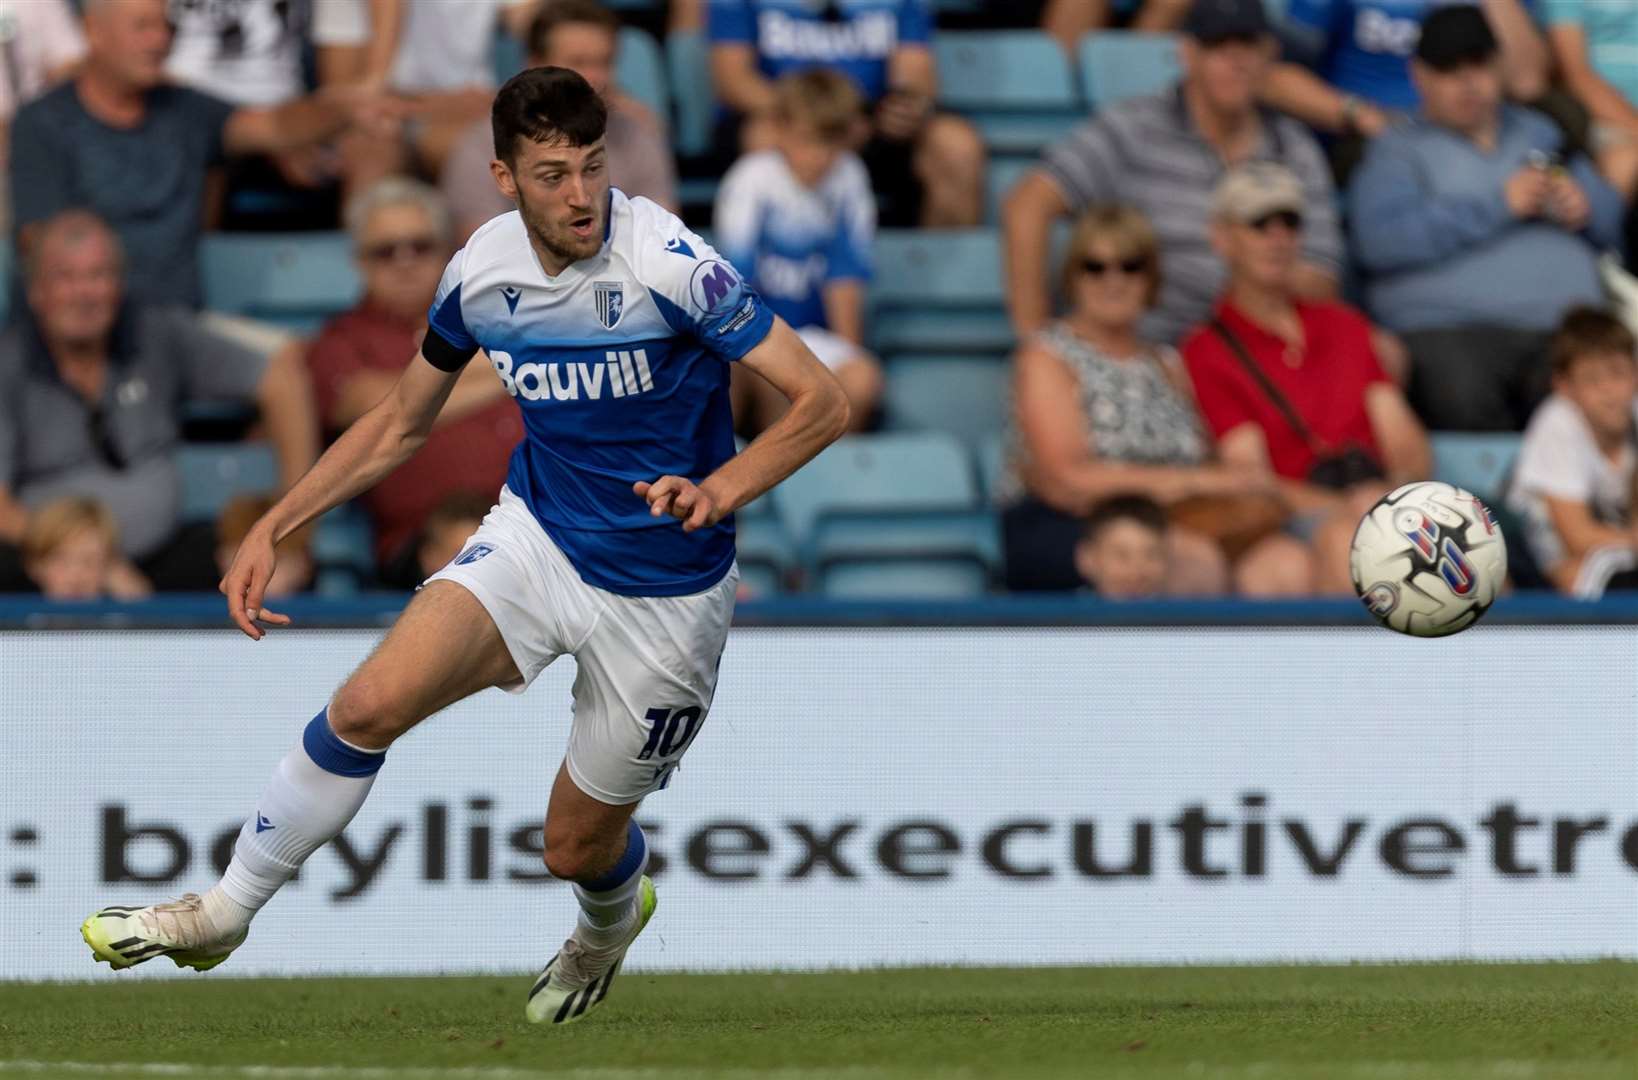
(563, 13)
(545, 105)
(1586, 331)
(1139, 509)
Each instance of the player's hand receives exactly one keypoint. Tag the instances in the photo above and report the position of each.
(682, 499)
(1526, 191)
(246, 581)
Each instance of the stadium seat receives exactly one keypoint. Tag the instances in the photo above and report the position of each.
(640, 71)
(1120, 64)
(766, 554)
(294, 280)
(1015, 85)
(991, 455)
(213, 474)
(939, 291)
(964, 396)
(898, 579)
(1480, 463)
(688, 63)
(343, 551)
(507, 55)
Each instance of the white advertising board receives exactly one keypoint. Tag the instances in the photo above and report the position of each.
(869, 797)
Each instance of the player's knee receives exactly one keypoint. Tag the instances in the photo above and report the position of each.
(574, 859)
(368, 713)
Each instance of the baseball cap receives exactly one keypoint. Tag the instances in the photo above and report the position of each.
(1254, 190)
(1454, 37)
(1211, 21)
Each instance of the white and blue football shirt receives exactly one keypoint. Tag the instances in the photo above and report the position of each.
(791, 241)
(619, 365)
(855, 37)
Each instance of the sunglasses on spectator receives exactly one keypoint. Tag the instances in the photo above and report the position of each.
(418, 247)
(1289, 218)
(1130, 267)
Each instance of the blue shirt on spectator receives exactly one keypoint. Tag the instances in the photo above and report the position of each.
(855, 37)
(1363, 47)
(1439, 245)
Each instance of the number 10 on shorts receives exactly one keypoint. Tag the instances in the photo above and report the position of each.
(671, 732)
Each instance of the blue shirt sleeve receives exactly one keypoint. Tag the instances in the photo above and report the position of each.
(915, 22)
(448, 344)
(707, 299)
(731, 21)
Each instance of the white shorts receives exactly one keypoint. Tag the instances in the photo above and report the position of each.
(647, 665)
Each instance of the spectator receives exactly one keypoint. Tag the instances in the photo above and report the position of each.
(40, 45)
(400, 230)
(1572, 484)
(1596, 45)
(293, 573)
(1474, 235)
(89, 394)
(71, 552)
(1163, 154)
(1071, 20)
(123, 142)
(1356, 80)
(582, 36)
(799, 221)
(927, 167)
(1293, 387)
(245, 52)
(1122, 554)
(448, 528)
(1099, 412)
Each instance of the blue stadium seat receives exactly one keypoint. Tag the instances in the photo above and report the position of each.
(1120, 64)
(1015, 85)
(343, 551)
(1480, 463)
(688, 63)
(1001, 175)
(992, 459)
(899, 579)
(640, 71)
(507, 55)
(939, 291)
(213, 474)
(294, 280)
(766, 554)
(964, 396)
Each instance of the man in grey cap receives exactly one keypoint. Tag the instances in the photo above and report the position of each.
(1163, 154)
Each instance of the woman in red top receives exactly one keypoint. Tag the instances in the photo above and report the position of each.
(1295, 387)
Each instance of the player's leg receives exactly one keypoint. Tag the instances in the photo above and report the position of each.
(443, 648)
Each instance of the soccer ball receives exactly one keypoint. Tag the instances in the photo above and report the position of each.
(1428, 559)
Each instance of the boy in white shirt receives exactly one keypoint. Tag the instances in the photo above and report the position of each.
(1573, 482)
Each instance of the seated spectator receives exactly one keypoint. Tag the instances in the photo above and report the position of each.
(447, 529)
(400, 230)
(1475, 236)
(90, 393)
(43, 45)
(799, 222)
(582, 36)
(1122, 554)
(1099, 412)
(293, 573)
(1355, 79)
(927, 167)
(123, 142)
(1163, 154)
(1572, 484)
(1291, 387)
(1596, 46)
(70, 551)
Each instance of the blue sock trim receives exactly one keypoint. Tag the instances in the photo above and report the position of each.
(332, 755)
(636, 852)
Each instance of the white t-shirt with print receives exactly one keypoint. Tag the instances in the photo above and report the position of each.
(247, 52)
(1559, 458)
(447, 44)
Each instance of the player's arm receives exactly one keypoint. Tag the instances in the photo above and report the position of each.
(818, 416)
(383, 438)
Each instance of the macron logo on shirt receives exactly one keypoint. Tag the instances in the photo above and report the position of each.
(623, 373)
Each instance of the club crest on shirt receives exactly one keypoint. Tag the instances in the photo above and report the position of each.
(611, 302)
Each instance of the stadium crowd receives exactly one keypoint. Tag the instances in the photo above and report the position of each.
(1240, 292)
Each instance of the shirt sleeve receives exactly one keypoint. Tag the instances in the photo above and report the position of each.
(209, 115)
(915, 22)
(701, 295)
(1086, 164)
(42, 175)
(730, 22)
(448, 344)
(736, 216)
(1410, 225)
(1552, 459)
(214, 367)
(849, 257)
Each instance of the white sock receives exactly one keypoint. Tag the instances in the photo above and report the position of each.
(608, 905)
(314, 793)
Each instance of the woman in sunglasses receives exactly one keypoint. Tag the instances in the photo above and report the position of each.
(1100, 412)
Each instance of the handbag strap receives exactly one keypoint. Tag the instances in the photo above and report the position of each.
(1266, 384)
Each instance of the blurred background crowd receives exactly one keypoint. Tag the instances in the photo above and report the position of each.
(1141, 297)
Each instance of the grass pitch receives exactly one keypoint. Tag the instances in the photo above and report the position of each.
(1423, 1022)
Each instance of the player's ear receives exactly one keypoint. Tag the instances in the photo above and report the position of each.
(503, 178)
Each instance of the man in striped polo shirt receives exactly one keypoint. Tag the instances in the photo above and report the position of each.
(1165, 154)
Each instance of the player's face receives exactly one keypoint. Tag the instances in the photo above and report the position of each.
(585, 49)
(562, 192)
(1127, 561)
(76, 288)
(129, 40)
(402, 256)
(1111, 285)
(75, 569)
(1602, 385)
